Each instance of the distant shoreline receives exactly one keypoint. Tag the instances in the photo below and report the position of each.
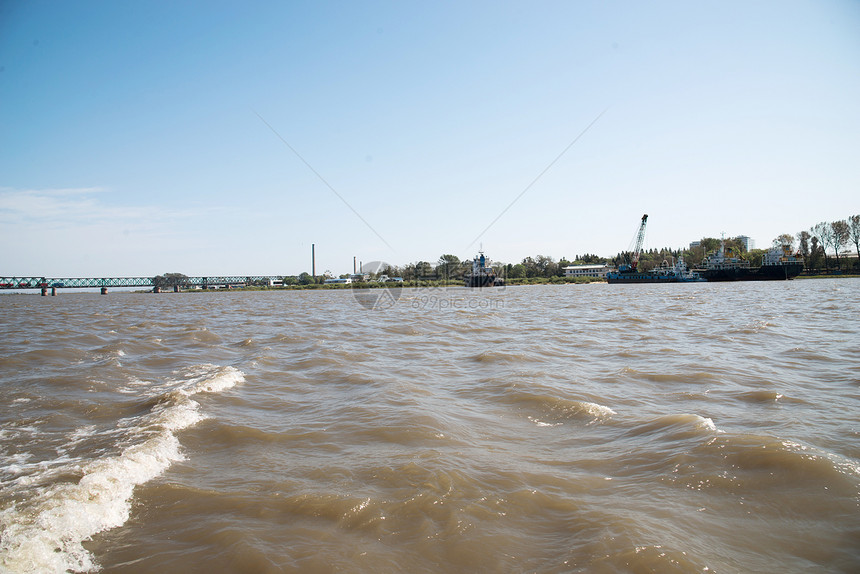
(370, 285)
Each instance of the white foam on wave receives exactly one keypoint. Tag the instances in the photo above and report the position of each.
(133, 386)
(706, 423)
(45, 533)
(599, 412)
(541, 423)
(200, 382)
(15, 464)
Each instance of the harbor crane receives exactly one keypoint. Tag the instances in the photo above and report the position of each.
(640, 238)
(637, 249)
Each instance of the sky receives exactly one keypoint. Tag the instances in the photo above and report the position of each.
(225, 138)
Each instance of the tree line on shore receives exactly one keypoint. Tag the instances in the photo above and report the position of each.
(813, 245)
(834, 235)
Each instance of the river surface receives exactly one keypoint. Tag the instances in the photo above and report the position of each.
(572, 428)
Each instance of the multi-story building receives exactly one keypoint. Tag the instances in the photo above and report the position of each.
(586, 270)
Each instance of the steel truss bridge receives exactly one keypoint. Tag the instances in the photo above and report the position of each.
(104, 282)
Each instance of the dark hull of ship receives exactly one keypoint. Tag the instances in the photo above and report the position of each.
(480, 280)
(763, 273)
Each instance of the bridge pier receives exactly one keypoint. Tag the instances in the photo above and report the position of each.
(53, 291)
(45, 291)
(104, 290)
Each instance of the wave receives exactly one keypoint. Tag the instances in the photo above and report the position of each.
(400, 329)
(240, 435)
(803, 355)
(746, 463)
(45, 533)
(752, 328)
(767, 397)
(548, 410)
(676, 427)
(684, 377)
(502, 357)
(24, 360)
(653, 558)
(200, 334)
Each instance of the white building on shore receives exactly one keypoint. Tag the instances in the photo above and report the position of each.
(587, 270)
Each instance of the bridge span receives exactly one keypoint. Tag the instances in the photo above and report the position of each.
(105, 282)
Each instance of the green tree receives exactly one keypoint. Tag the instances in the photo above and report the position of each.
(531, 267)
(755, 256)
(448, 266)
(736, 244)
(841, 234)
(803, 238)
(815, 253)
(305, 278)
(562, 263)
(709, 244)
(694, 256)
(803, 246)
(423, 270)
(517, 271)
(854, 235)
(546, 266)
(407, 272)
(588, 259)
(824, 233)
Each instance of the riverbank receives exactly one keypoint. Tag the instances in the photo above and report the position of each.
(829, 276)
(517, 282)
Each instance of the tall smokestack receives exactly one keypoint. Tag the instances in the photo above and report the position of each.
(313, 261)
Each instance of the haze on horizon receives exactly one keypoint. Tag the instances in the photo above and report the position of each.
(144, 138)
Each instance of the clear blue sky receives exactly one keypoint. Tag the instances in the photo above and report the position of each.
(131, 138)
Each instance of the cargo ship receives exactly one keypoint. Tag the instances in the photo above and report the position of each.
(482, 274)
(677, 273)
(630, 273)
(725, 265)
